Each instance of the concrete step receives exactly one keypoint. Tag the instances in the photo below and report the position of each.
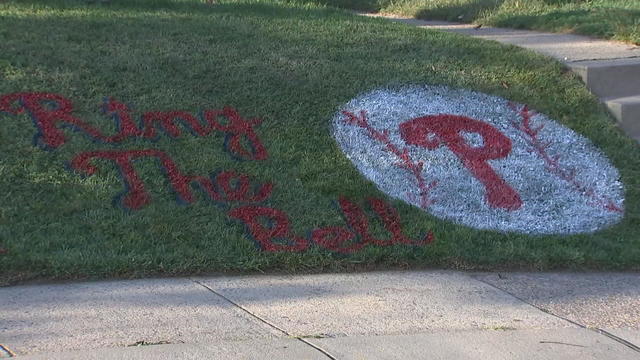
(610, 79)
(610, 69)
(627, 111)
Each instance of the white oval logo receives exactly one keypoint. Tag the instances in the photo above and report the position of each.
(479, 160)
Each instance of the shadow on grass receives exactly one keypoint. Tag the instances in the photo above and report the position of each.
(355, 5)
(178, 7)
(468, 12)
(120, 4)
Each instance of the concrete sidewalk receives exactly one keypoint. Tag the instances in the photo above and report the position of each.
(610, 69)
(380, 315)
(567, 48)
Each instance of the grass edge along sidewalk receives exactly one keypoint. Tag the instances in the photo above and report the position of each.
(292, 66)
(607, 19)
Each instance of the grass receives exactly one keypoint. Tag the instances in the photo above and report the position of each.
(608, 19)
(291, 64)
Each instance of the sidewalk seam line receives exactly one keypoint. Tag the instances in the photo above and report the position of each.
(613, 337)
(7, 351)
(304, 341)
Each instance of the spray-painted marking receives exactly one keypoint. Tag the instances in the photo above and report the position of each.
(479, 160)
(405, 161)
(278, 236)
(50, 112)
(136, 196)
(269, 227)
(432, 131)
(553, 163)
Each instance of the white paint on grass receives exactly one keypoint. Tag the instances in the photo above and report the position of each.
(551, 204)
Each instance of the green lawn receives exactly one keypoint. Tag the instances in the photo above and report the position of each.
(609, 19)
(290, 64)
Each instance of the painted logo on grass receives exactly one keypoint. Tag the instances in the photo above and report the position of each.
(479, 160)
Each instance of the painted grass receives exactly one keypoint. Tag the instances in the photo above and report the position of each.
(293, 65)
(608, 19)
